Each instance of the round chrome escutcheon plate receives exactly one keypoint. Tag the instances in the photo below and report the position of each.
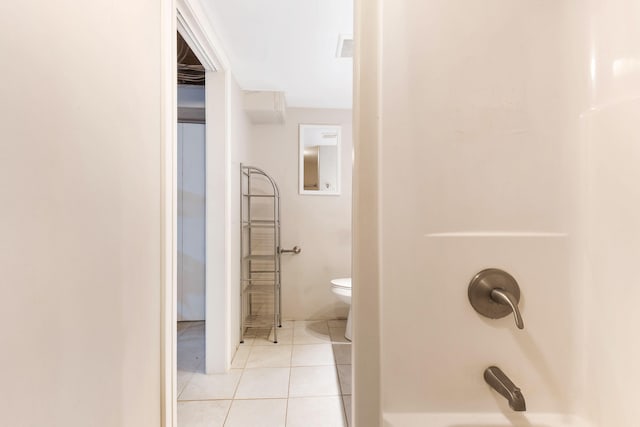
(480, 289)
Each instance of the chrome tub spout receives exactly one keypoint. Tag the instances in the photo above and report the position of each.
(503, 385)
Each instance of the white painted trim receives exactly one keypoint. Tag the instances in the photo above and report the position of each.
(229, 347)
(169, 102)
(204, 43)
(218, 253)
(366, 252)
(194, 27)
(188, 17)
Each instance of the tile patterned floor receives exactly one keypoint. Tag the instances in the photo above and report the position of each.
(303, 381)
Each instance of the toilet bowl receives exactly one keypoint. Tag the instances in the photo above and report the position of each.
(342, 288)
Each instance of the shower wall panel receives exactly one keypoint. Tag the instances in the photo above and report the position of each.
(480, 125)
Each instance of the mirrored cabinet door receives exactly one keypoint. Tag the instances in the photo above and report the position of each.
(319, 170)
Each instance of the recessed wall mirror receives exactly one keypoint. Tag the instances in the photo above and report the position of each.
(319, 169)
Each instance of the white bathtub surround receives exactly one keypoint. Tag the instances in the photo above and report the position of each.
(489, 142)
(611, 211)
(483, 145)
(482, 420)
(290, 385)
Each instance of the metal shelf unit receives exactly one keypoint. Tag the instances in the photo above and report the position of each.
(260, 298)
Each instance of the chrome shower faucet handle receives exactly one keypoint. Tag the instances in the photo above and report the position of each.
(494, 293)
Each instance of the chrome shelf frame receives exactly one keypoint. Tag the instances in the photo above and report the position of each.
(260, 277)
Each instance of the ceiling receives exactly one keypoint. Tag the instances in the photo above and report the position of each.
(288, 46)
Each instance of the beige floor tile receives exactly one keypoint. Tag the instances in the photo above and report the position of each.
(217, 386)
(285, 336)
(257, 332)
(241, 356)
(210, 413)
(315, 412)
(312, 355)
(346, 400)
(311, 336)
(257, 413)
(315, 325)
(262, 383)
(344, 375)
(313, 384)
(314, 381)
(258, 336)
(247, 341)
(286, 324)
(183, 378)
(273, 356)
(337, 335)
(342, 354)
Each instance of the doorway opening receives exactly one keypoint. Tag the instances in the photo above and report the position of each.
(191, 214)
(243, 375)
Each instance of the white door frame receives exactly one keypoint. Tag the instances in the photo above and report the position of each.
(186, 16)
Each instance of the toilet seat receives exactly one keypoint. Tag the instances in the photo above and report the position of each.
(342, 283)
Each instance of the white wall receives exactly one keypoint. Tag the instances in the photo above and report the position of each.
(80, 177)
(320, 225)
(240, 134)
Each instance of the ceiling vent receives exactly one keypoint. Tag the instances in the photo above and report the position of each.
(345, 46)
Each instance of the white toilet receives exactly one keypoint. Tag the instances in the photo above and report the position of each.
(342, 288)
